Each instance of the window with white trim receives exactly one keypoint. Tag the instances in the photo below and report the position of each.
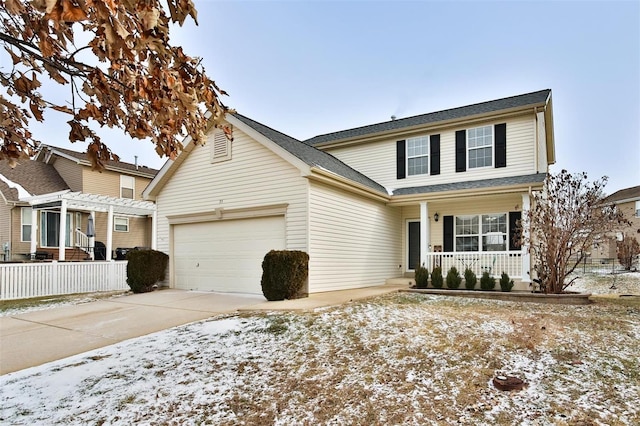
(480, 147)
(127, 186)
(418, 156)
(637, 208)
(121, 224)
(220, 149)
(25, 219)
(486, 232)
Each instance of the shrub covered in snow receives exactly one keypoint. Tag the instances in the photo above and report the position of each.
(284, 274)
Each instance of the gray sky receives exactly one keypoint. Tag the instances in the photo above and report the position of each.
(308, 68)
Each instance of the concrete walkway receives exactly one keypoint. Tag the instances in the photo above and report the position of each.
(34, 338)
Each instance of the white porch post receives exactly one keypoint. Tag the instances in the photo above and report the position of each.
(526, 257)
(63, 230)
(34, 232)
(109, 233)
(92, 238)
(424, 232)
(154, 230)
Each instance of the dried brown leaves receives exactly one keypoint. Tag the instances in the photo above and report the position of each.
(130, 76)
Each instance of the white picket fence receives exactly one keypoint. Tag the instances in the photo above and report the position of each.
(26, 280)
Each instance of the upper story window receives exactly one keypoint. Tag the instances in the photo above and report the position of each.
(25, 219)
(127, 186)
(480, 146)
(220, 149)
(637, 208)
(418, 156)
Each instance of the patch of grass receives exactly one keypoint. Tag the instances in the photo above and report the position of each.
(39, 302)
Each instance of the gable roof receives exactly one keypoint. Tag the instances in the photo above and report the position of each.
(35, 177)
(311, 156)
(81, 158)
(538, 98)
(626, 194)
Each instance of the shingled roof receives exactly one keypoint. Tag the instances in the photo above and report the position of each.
(632, 193)
(310, 155)
(536, 178)
(528, 99)
(35, 177)
(120, 165)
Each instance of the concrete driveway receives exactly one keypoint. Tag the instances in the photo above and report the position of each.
(34, 338)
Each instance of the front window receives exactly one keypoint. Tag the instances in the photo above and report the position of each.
(480, 146)
(418, 156)
(127, 186)
(481, 232)
(25, 218)
(121, 224)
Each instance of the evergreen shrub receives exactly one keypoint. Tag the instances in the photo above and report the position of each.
(487, 282)
(436, 277)
(505, 283)
(470, 279)
(284, 274)
(422, 277)
(145, 268)
(453, 278)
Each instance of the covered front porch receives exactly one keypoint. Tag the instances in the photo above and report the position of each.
(64, 222)
(476, 229)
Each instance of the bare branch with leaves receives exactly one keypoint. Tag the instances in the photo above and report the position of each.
(129, 75)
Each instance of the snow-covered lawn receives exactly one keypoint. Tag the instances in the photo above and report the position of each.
(405, 359)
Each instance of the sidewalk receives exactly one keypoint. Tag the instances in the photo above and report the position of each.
(38, 337)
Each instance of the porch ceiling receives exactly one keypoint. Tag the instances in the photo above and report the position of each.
(92, 202)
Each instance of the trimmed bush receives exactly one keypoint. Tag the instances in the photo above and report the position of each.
(505, 283)
(422, 277)
(487, 282)
(470, 279)
(453, 278)
(145, 268)
(284, 274)
(436, 277)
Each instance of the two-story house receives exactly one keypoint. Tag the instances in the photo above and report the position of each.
(55, 206)
(367, 204)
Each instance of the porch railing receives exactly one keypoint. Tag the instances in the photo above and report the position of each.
(493, 262)
(82, 241)
(26, 280)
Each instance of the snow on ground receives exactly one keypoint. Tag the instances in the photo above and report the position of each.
(32, 305)
(622, 283)
(406, 359)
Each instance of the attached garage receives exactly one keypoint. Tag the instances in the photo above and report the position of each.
(225, 255)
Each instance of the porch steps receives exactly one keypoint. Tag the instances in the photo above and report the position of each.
(400, 281)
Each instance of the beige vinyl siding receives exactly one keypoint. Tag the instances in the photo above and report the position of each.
(5, 225)
(108, 183)
(378, 159)
(542, 144)
(71, 172)
(354, 241)
(139, 234)
(18, 247)
(466, 206)
(254, 177)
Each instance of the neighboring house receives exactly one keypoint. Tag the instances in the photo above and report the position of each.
(367, 204)
(59, 183)
(628, 202)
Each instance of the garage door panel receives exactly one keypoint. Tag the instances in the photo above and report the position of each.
(225, 255)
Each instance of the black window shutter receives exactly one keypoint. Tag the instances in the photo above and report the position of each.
(514, 219)
(501, 144)
(434, 154)
(461, 150)
(400, 160)
(448, 233)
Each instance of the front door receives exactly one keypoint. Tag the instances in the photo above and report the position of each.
(413, 249)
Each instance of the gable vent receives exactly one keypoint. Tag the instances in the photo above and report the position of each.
(220, 148)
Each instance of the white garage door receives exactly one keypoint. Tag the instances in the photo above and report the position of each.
(226, 255)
